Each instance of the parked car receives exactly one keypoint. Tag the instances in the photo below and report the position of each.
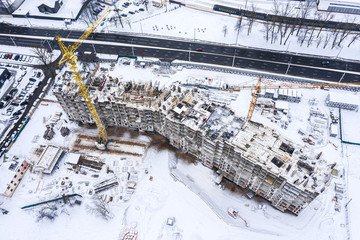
(15, 104)
(17, 113)
(199, 49)
(325, 63)
(23, 103)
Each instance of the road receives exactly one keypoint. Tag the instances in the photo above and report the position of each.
(169, 50)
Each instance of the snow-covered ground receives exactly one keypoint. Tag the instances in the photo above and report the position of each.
(178, 188)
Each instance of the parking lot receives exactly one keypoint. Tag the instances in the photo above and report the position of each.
(126, 9)
(17, 96)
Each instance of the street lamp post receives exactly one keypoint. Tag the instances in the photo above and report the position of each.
(132, 47)
(189, 53)
(13, 41)
(346, 67)
(233, 62)
(288, 65)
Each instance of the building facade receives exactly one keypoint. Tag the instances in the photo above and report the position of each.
(342, 6)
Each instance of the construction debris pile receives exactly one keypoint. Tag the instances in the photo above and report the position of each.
(249, 154)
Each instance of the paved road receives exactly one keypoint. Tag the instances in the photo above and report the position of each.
(169, 50)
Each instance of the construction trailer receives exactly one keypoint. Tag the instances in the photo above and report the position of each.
(249, 154)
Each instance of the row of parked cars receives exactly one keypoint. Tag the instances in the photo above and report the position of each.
(97, 8)
(16, 57)
(15, 102)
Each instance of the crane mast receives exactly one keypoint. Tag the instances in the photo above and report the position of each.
(253, 100)
(71, 60)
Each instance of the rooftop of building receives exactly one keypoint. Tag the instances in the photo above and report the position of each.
(264, 146)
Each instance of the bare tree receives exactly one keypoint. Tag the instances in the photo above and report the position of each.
(319, 41)
(354, 38)
(311, 37)
(305, 10)
(225, 30)
(285, 11)
(346, 30)
(238, 27)
(47, 213)
(251, 18)
(146, 2)
(128, 22)
(88, 16)
(275, 11)
(325, 17)
(327, 39)
(118, 15)
(303, 35)
(46, 57)
(267, 28)
(100, 208)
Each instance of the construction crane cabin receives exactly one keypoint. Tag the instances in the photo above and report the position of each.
(71, 60)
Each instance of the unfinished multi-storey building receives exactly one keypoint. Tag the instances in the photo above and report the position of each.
(249, 154)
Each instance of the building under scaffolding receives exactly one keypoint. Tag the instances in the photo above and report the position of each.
(251, 155)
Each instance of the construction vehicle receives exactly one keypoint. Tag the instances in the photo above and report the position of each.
(71, 59)
(235, 214)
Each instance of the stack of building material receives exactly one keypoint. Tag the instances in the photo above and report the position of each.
(64, 131)
(49, 132)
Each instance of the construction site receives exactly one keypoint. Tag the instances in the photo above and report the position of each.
(251, 155)
(126, 139)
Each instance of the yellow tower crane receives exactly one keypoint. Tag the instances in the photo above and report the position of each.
(71, 59)
(253, 100)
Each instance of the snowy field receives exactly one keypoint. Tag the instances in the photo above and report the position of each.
(178, 188)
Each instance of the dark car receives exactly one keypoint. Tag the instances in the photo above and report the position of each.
(17, 57)
(24, 103)
(141, 9)
(131, 12)
(325, 62)
(123, 15)
(17, 113)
